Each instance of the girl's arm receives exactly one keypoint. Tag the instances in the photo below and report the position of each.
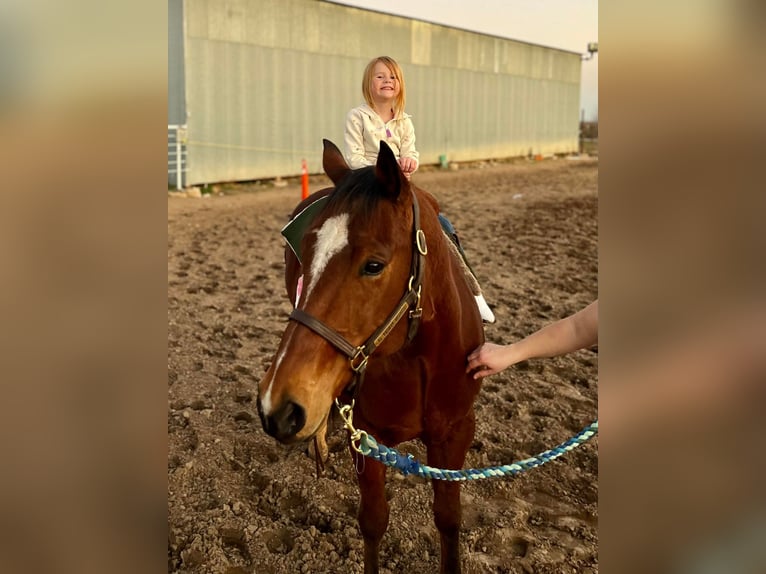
(354, 141)
(407, 149)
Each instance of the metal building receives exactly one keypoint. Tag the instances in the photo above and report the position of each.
(255, 85)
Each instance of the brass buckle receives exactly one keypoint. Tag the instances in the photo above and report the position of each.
(420, 241)
(418, 310)
(357, 367)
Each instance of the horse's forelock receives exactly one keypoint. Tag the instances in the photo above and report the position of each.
(360, 193)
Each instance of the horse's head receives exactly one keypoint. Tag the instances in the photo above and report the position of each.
(358, 256)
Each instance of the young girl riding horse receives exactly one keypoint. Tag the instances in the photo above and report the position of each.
(382, 118)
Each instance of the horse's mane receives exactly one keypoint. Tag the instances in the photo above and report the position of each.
(360, 191)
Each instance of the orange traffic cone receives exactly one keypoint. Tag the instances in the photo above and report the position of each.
(304, 180)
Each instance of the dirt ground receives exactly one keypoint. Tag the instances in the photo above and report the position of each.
(238, 502)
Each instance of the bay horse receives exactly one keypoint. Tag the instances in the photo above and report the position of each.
(384, 296)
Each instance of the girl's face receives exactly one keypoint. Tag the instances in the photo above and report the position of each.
(385, 87)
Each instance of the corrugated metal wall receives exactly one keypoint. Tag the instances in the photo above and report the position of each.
(266, 80)
(176, 109)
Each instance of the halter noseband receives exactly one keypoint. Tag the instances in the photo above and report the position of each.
(358, 356)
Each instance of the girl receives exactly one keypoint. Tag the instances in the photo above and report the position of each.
(382, 117)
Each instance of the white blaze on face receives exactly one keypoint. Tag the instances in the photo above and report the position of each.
(331, 238)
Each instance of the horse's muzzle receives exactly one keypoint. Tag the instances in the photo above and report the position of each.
(284, 423)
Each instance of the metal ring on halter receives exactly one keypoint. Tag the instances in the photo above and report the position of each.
(420, 240)
(343, 409)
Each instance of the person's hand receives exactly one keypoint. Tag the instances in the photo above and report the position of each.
(489, 359)
(408, 166)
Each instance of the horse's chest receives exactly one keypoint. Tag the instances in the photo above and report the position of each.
(392, 406)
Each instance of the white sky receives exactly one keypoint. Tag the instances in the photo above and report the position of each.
(566, 24)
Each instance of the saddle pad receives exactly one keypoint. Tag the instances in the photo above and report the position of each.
(295, 229)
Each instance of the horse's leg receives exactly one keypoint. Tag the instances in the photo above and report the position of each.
(447, 513)
(373, 508)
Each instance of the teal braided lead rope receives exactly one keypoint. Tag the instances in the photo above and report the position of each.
(406, 464)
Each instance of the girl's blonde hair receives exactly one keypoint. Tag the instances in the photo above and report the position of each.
(391, 64)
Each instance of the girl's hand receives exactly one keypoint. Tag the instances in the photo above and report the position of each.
(408, 166)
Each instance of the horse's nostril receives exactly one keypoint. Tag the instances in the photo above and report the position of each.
(285, 422)
(292, 419)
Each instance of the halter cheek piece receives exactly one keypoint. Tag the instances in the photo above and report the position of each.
(358, 356)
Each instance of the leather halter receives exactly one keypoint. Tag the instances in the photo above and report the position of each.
(358, 356)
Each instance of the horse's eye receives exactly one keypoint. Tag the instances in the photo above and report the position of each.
(373, 268)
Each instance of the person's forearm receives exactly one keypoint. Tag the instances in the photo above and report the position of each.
(550, 341)
(564, 336)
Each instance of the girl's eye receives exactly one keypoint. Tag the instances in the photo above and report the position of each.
(373, 268)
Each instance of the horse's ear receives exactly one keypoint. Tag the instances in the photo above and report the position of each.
(389, 173)
(333, 163)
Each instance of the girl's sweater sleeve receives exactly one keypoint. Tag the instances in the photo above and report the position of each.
(354, 140)
(407, 148)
